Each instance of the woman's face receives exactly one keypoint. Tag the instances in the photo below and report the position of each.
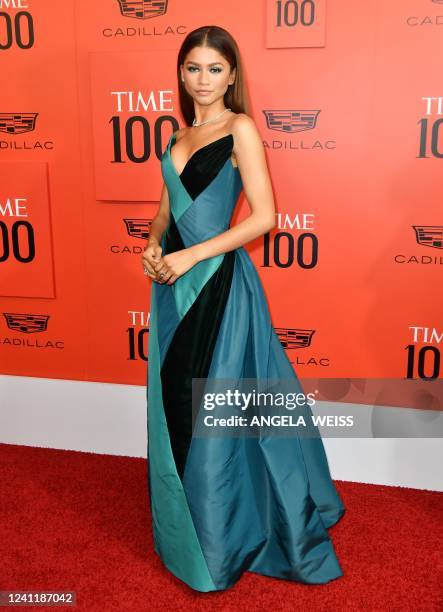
(206, 75)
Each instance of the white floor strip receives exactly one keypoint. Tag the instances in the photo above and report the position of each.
(111, 419)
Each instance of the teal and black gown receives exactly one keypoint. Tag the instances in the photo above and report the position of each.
(225, 505)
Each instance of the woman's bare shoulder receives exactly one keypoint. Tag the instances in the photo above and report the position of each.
(241, 119)
(244, 129)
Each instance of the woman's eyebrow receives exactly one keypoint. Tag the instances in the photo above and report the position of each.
(197, 64)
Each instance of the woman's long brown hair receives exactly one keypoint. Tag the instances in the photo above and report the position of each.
(236, 97)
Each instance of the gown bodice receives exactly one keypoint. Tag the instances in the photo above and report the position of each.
(203, 196)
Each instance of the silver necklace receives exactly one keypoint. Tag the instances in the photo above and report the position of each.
(196, 124)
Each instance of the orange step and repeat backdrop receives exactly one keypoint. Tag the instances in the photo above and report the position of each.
(348, 98)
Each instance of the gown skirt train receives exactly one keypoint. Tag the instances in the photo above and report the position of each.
(225, 505)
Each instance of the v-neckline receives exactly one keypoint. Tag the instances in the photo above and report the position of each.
(173, 140)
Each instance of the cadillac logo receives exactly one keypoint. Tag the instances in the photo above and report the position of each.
(143, 9)
(26, 323)
(17, 123)
(291, 121)
(429, 235)
(138, 228)
(294, 338)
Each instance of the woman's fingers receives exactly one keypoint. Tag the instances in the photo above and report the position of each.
(161, 270)
(167, 275)
(150, 271)
(172, 279)
(155, 267)
(148, 267)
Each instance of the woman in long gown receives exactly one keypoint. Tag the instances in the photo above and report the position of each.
(222, 505)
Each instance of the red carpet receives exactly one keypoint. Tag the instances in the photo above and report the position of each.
(79, 521)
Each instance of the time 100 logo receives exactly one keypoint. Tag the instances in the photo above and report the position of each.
(285, 248)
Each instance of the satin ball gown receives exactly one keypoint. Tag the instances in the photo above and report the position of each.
(225, 505)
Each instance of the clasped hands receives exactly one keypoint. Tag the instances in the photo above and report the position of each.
(167, 268)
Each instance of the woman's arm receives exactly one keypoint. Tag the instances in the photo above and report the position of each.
(251, 160)
(152, 252)
(161, 219)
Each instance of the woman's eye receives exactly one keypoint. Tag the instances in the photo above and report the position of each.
(193, 68)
